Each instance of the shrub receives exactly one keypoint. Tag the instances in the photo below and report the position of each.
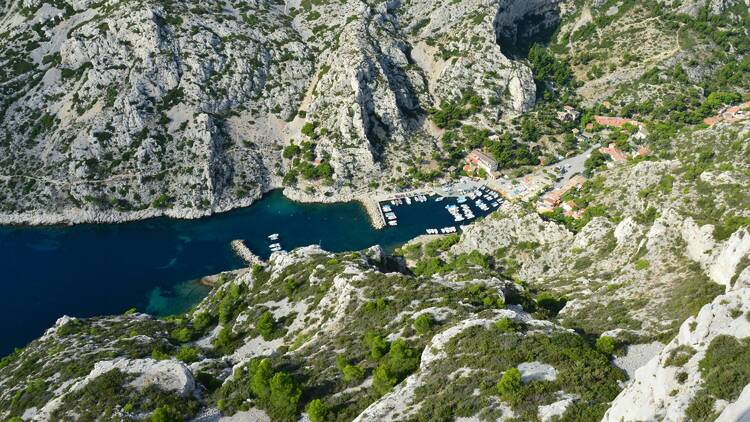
(549, 305)
(290, 151)
(71, 327)
(181, 335)
(260, 375)
(201, 321)
(428, 267)
(378, 346)
(509, 385)
(309, 130)
(187, 354)
(641, 264)
(7, 360)
(225, 341)
(285, 394)
(162, 201)
(726, 367)
(679, 356)
(353, 373)
(507, 325)
(165, 414)
(682, 377)
(228, 304)
(317, 411)
(606, 345)
(266, 325)
(424, 323)
(158, 354)
(400, 361)
(277, 392)
(701, 408)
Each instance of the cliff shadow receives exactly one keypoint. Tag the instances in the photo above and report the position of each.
(521, 24)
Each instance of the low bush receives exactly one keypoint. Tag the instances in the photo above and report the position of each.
(423, 323)
(400, 361)
(509, 385)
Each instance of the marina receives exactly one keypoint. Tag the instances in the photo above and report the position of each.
(459, 208)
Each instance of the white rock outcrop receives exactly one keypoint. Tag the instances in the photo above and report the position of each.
(656, 393)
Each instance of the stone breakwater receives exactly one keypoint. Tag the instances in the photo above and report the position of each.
(239, 247)
(374, 212)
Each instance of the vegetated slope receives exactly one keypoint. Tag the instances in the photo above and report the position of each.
(336, 334)
(515, 318)
(659, 237)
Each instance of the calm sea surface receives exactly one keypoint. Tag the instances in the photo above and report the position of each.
(152, 265)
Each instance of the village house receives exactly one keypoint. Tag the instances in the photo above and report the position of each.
(730, 114)
(569, 205)
(574, 214)
(552, 199)
(616, 122)
(615, 153)
(481, 160)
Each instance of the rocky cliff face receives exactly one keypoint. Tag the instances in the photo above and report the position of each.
(116, 110)
(702, 373)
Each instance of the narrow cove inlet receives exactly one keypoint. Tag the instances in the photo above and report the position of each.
(153, 265)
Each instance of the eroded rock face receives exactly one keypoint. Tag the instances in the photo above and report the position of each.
(167, 375)
(657, 392)
(132, 108)
(127, 110)
(519, 20)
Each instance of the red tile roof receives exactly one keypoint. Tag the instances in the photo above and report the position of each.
(615, 121)
(613, 152)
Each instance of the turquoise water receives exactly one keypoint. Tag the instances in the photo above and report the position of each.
(152, 265)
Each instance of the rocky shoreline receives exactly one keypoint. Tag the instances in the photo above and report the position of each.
(83, 216)
(247, 255)
(368, 199)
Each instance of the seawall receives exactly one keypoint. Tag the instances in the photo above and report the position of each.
(239, 247)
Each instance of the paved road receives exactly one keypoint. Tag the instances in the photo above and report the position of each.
(576, 166)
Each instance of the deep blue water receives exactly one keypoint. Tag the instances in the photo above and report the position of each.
(152, 265)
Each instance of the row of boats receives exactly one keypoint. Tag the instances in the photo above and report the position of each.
(274, 247)
(483, 198)
(460, 212)
(390, 216)
(480, 195)
(444, 230)
(408, 200)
